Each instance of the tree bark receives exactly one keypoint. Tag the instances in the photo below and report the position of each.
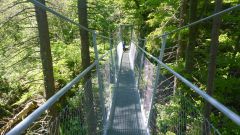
(189, 61)
(85, 55)
(237, 45)
(180, 54)
(181, 40)
(204, 9)
(29, 107)
(142, 26)
(212, 64)
(182, 22)
(46, 56)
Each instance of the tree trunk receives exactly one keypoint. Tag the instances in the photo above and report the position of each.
(180, 54)
(204, 9)
(212, 64)
(181, 41)
(142, 33)
(182, 22)
(90, 118)
(142, 26)
(46, 56)
(192, 37)
(237, 45)
(29, 107)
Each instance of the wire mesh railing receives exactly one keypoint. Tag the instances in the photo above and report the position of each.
(72, 118)
(167, 110)
(71, 100)
(146, 84)
(145, 74)
(174, 110)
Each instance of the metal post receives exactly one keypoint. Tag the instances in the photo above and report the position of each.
(131, 33)
(116, 52)
(116, 62)
(100, 84)
(112, 65)
(164, 38)
(120, 33)
(141, 64)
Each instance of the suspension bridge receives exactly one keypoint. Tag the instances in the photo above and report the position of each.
(134, 96)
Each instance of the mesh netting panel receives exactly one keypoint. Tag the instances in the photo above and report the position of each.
(107, 70)
(173, 111)
(146, 85)
(177, 113)
(72, 119)
(132, 55)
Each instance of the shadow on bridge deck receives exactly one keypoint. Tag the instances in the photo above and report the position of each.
(126, 116)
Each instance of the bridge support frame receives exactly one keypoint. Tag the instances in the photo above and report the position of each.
(100, 84)
(112, 67)
(141, 64)
(164, 40)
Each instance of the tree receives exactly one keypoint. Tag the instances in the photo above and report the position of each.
(182, 22)
(204, 8)
(142, 16)
(102, 15)
(180, 54)
(45, 52)
(212, 65)
(189, 61)
(137, 12)
(85, 55)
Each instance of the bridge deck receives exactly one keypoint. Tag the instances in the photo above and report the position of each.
(126, 117)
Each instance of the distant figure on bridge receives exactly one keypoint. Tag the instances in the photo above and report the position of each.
(124, 46)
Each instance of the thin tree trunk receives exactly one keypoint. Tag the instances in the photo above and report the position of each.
(85, 55)
(142, 26)
(237, 45)
(204, 9)
(182, 22)
(212, 64)
(142, 33)
(192, 37)
(181, 41)
(180, 54)
(45, 52)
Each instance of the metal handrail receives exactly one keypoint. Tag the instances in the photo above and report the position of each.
(42, 6)
(33, 116)
(227, 112)
(199, 21)
(23, 125)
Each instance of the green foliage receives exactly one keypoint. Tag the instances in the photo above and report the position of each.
(176, 110)
(67, 59)
(20, 65)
